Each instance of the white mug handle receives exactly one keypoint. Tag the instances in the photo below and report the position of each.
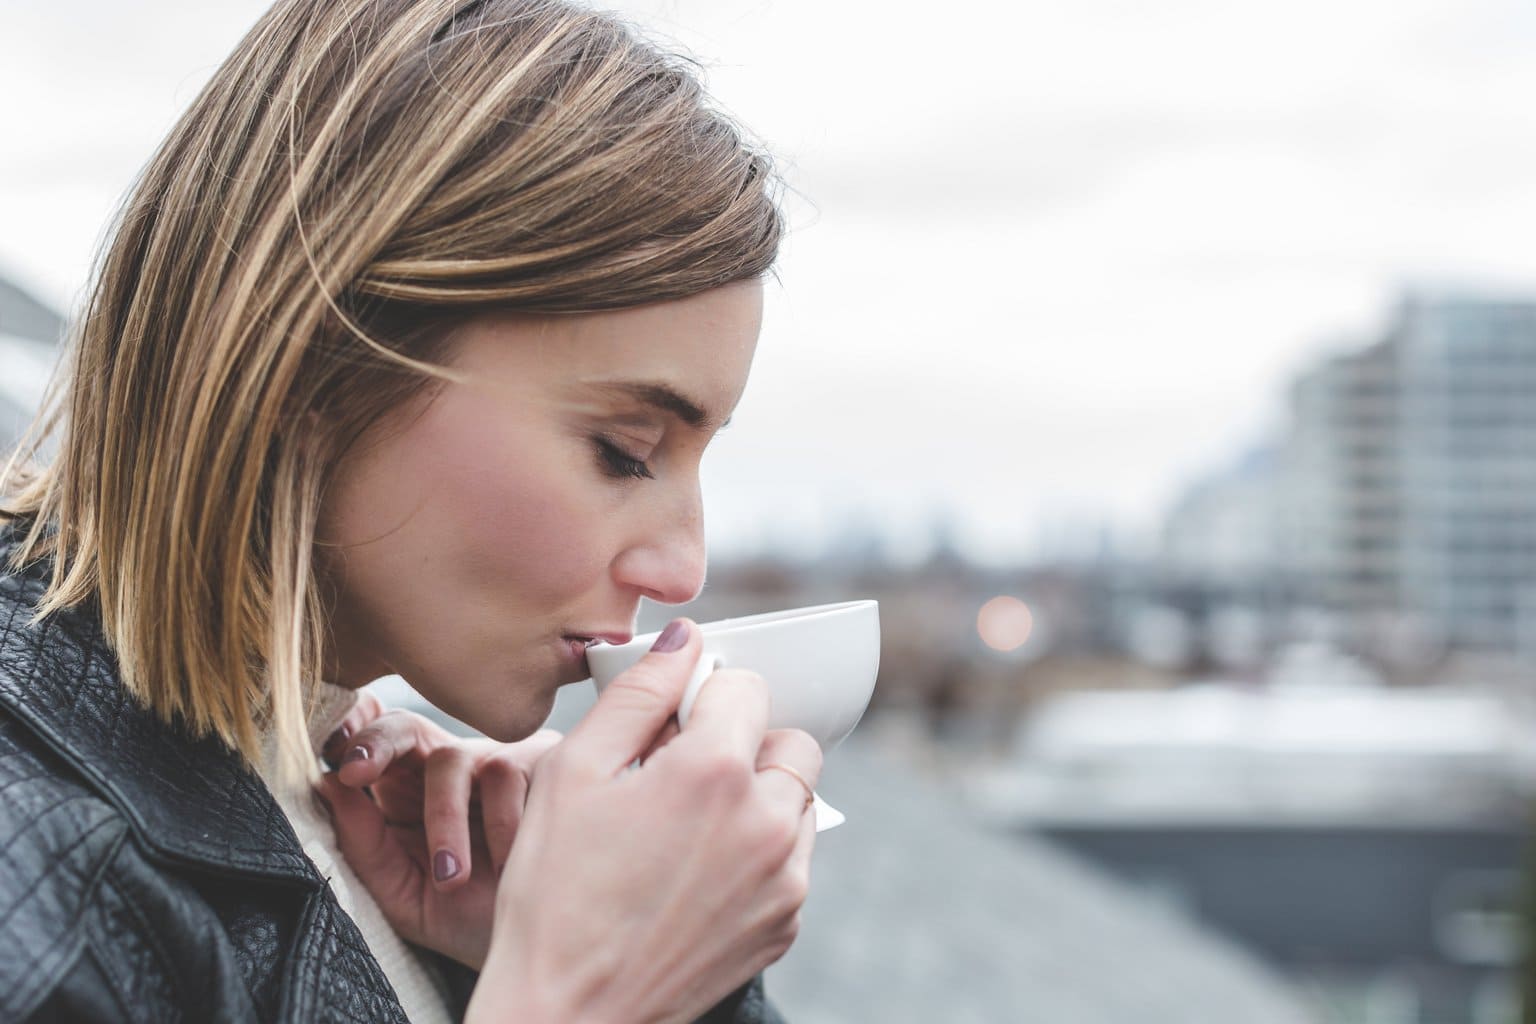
(709, 662)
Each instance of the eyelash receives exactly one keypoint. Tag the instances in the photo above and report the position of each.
(617, 463)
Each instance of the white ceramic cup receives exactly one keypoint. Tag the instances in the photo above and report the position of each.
(820, 664)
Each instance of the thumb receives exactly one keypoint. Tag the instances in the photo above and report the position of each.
(370, 849)
(634, 708)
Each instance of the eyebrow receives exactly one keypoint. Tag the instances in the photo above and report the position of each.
(665, 398)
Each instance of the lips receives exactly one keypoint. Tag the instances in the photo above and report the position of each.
(603, 637)
(577, 643)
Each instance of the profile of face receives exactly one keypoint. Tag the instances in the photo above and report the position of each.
(476, 539)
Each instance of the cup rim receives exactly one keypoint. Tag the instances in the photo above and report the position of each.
(815, 611)
(754, 621)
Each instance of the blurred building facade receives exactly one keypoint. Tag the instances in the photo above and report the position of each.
(1466, 440)
(1342, 491)
(1412, 469)
(1396, 515)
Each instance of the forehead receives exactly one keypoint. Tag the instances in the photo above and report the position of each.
(699, 349)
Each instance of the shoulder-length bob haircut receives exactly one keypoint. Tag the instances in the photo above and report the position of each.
(359, 177)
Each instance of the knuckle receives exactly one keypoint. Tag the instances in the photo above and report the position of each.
(506, 778)
(394, 718)
(501, 768)
(477, 748)
(719, 772)
(371, 731)
(446, 759)
(786, 901)
(781, 942)
(727, 776)
(810, 748)
(802, 747)
(778, 837)
(389, 733)
(800, 874)
(796, 893)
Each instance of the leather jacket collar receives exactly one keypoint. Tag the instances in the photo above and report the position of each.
(191, 801)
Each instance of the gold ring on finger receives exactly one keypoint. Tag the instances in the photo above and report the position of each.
(794, 774)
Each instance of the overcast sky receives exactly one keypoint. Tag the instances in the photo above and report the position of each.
(1050, 260)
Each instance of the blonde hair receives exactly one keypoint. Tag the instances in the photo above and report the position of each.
(357, 178)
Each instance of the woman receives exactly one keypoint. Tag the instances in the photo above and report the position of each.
(402, 358)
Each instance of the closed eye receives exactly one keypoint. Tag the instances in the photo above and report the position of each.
(616, 462)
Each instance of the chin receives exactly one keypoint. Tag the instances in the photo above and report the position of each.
(510, 724)
(511, 707)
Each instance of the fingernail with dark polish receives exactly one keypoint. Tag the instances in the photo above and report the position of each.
(672, 638)
(341, 735)
(357, 753)
(444, 865)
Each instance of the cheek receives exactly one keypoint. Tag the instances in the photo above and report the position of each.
(476, 513)
(516, 513)
(512, 533)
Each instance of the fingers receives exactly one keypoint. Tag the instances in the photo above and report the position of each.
(636, 705)
(435, 781)
(795, 749)
(799, 863)
(534, 747)
(503, 786)
(667, 735)
(445, 815)
(730, 713)
(375, 746)
(502, 780)
(365, 841)
(364, 710)
(792, 749)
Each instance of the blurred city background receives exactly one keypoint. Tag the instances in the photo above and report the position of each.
(1168, 372)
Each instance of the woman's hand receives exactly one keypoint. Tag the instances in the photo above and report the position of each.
(430, 842)
(649, 894)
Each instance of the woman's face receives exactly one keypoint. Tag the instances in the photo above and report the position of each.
(475, 540)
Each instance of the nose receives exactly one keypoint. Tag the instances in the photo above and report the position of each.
(666, 561)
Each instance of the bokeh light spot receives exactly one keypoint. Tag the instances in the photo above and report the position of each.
(1004, 623)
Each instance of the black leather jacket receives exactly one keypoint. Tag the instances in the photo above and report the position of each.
(148, 876)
